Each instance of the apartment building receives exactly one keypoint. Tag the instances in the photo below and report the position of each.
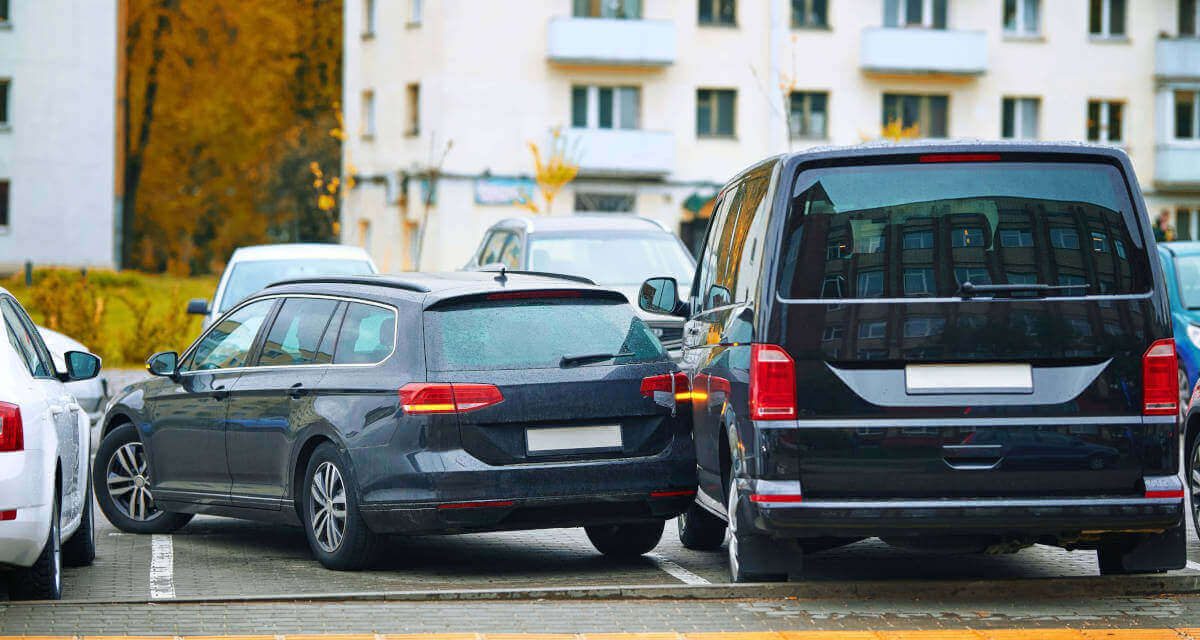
(661, 101)
(57, 102)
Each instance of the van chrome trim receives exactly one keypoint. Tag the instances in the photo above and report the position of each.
(881, 423)
(974, 503)
(953, 300)
(395, 334)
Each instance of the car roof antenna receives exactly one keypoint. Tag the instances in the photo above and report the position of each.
(503, 277)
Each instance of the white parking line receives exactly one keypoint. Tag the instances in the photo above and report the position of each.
(162, 568)
(676, 571)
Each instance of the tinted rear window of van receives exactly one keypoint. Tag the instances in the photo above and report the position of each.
(921, 230)
(534, 334)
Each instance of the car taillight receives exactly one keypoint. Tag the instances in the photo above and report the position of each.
(667, 389)
(12, 431)
(423, 398)
(1160, 384)
(772, 383)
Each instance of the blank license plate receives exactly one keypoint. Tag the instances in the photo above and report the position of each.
(968, 378)
(556, 439)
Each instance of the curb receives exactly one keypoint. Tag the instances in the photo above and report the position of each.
(1091, 586)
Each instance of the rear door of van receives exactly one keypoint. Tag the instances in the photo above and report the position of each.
(979, 325)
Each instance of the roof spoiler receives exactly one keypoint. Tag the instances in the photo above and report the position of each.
(375, 281)
(502, 269)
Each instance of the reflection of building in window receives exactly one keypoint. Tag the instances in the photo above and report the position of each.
(1064, 238)
(870, 284)
(1080, 326)
(869, 244)
(1017, 277)
(922, 327)
(1014, 238)
(836, 250)
(833, 332)
(1099, 242)
(918, 240)
(918, 282)
(831, 287)
(967, 237)
(873, 329)
(974, 275)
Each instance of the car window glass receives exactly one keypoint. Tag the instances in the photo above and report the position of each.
(712, 248)
(510, 255)
(329, 340)
(28, 345)
(368, 335)
(728, 251)
(228, 344)
(296, 333)
(743, 279)
(493, 247)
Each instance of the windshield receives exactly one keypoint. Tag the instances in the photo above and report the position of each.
(1187, 269)
(615, 258)
(248, 277)
(535, 334)
(914, 231)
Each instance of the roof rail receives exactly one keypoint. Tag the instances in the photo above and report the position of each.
(375, 281)
(496, 267)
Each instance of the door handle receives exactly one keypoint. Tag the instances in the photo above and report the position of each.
(297, 391)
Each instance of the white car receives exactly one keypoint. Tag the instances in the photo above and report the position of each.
(253, 268)
(46, 517)
(90, 394)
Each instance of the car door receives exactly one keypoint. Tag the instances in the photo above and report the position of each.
(187, 415)
(50, 404)
(274, 400)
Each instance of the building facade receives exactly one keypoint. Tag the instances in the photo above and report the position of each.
(661, 101)
(57, 102)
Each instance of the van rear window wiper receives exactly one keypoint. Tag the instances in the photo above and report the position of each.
(970, 290)
(581, 358)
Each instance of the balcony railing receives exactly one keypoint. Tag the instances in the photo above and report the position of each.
(924, 52)
(603, 41)
(1177, 58)
(623, 152)
(1177, 165)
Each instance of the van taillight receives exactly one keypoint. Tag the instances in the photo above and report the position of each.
(1160, 392)
(12, 431)
(772, 383)
(423, 398)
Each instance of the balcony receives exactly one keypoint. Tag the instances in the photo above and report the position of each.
(1177, 165)
(890, 51)
(1177, 59)
(623, 152)
(603, 41)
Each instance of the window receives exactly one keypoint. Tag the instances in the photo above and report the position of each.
(915, 13)
(368, 114)
(833, 287)
(4, 87)
(832, 332)
(368, 335)
(4, 15)
(927, 113)
(4, 204)
(1019, 118)
(412, 95)
(606, 107)
(715, 112)
(870, 284)
(295, 335)
(923, 327)
(810, 14)
(1189, 15)
(1016, 238)
(1022, 17)
(1099, 242)
(1104, 119)
(1106, 18)
(1187, 115)
(967, 237)
(918, 240)
(974, 275)
(869, 243)
(620, 9)
(416, 12)
(25, 341)
(604, 202)
(368, 30)
(872, 329)
(807, 114)
(718, 12)
(1064, 238)
(492, 248)
(918, 282)
(503, 248)
(836, 250)
(227, 345)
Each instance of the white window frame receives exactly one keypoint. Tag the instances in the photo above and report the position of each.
(6, 115)
(926, 15)
(367, 127)
(1105, 109)
(805, 98)
(593, 106)
(1106, 21)
(1019, 118)
(1021, 31)
(1195, 137)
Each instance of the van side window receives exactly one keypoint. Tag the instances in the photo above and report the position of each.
(738, 269)
(712, 248)
(368, 335)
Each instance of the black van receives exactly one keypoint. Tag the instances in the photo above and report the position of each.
(961, 347)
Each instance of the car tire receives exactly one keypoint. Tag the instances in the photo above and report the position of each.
(120, 477)
(80, 549)
(340, 544)
(1193, 481)
(43, 580)
(742, 549)
(626, 540)
(700, 530)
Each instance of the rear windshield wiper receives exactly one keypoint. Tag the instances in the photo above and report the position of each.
(580, 358)
(970, 290)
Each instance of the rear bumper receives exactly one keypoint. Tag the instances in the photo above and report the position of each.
(25, 489)
(1057, 517)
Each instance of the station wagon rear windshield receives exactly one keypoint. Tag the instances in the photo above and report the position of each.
(922, 230)
(535, 334)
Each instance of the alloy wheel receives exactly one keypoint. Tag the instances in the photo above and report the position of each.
(1194, 482)
(129, 483)
(327, 506)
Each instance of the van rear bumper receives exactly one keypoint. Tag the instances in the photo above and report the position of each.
(1059, 517)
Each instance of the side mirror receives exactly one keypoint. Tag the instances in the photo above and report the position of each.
(660, 295)
(198, 307)
(163, 363)
(81, 366)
